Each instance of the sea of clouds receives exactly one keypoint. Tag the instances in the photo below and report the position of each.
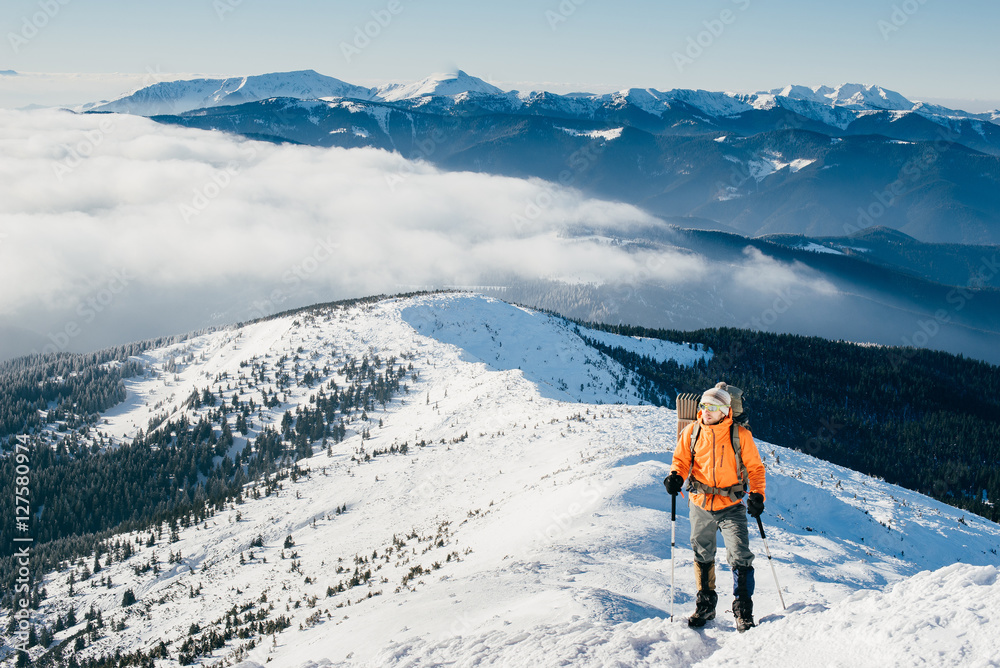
(114, 228)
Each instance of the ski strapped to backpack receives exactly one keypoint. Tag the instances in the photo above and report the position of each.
(687, 407)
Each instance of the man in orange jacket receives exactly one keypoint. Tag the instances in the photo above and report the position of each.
(718, 483)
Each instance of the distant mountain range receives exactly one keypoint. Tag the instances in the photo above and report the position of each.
(948, 264)
(884, 288)
(838, 107)
(814, 161)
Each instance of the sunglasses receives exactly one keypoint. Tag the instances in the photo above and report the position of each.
(712, 407)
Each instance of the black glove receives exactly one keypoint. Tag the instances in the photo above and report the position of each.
(674, 482)
(755, 504)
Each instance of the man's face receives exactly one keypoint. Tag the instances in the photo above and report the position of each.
(710, 416)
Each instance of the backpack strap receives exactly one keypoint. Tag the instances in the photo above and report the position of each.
(734, 493)
(694, 439)
(735, 439)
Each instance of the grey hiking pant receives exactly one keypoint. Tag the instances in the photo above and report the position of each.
(732, 521)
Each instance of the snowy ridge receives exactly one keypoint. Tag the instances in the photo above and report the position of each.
(612, 133)
(527, 523)
(438, 85)
(175, 97)
(835, 106)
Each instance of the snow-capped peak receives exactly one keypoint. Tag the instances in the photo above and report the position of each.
(175, 97)
(851, 95)
(868, 96)
(837, 106)
(436, 85)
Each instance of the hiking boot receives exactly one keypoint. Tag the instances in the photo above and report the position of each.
(743, 586)
(705, 608)
(743, 610)
(704, 580)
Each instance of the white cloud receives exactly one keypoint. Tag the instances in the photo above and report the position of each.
(47, 89)
(115, 228)
(204, 224)
(769, 276)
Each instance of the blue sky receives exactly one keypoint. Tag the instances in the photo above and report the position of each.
(924, 49)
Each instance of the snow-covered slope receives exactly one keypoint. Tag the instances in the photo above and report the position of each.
(837, 106)
(175, 97)
(525, 524)
(448, 84)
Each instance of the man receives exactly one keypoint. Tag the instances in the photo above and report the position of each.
(717, 486)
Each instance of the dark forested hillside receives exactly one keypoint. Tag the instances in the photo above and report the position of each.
(182, 469)
(925, 420)
(64, 387)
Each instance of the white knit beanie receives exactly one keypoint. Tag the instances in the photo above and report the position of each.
(718, 396)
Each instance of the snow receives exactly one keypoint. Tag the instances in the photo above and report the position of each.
(554, 507)
(866, 96)
(437, 85)
(649, 100)
(656, 349)
(908, 624)
(723, 105)
(817, 248)
(379, 113)
(766, 164)
(837, 106)
(175, 97)
(612, 133)
(727, 193)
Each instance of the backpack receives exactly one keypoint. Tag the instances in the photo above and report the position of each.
(688, 403)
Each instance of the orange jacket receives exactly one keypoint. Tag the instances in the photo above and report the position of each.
(715, 461)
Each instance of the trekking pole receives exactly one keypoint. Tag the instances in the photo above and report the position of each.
(673, 535)
(760, 525)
